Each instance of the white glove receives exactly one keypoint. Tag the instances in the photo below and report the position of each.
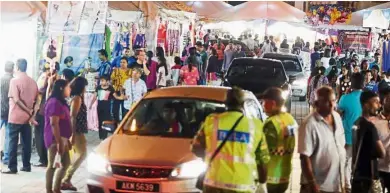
(262, 188)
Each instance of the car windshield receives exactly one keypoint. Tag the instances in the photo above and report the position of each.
(180, 118)
(260, 72)
(290, 64)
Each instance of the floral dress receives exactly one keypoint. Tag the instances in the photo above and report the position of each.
(189, 78)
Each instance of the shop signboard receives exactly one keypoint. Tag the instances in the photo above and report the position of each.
(355, 40)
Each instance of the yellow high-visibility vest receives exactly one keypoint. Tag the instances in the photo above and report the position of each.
(281, 144)
(234, 168)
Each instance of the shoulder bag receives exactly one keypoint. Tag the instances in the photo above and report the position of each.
(199, 182)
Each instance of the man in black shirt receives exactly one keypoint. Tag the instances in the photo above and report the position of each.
(140, 63)
(367, 147)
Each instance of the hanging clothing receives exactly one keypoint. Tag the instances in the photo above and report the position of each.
(92, 116)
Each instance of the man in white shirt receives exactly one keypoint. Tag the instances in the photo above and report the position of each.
(321, 144)
(381, 122)
(135, 89)
(250, 42)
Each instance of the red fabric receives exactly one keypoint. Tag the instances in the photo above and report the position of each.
(162, 36)
(219, 51)
(175, 127)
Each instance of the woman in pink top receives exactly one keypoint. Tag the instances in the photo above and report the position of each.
(189, 74)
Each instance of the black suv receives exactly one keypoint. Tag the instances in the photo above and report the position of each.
(258, 74)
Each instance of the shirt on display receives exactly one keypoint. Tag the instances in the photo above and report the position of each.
(134, 91)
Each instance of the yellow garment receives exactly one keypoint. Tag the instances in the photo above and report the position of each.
(280, 133)
(235, 166)
(118, 78)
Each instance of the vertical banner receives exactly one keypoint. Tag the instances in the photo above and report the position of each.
(357, 40)
(93, 18)
(63, 17)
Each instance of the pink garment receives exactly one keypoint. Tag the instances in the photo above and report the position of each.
(152, 77)
(25, 89)
(92, 116)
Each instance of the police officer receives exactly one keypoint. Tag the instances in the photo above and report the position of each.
(234, 168)
(279, 130)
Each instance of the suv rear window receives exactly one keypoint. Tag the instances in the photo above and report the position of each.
(261, 70)
(170, 117)
(289, 63)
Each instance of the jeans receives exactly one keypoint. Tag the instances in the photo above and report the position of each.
(39, 139)
(6, 141)
(26, 138)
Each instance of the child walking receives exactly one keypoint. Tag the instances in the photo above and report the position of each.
(104, 96)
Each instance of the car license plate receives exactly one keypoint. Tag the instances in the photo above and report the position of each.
(296, 92)
(138, 186)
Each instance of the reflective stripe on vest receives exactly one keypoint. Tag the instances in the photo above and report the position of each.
(237, 159)
(280, 166)
(233, 159)
(230, 186)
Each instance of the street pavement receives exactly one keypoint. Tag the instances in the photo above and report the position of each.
(34, 181)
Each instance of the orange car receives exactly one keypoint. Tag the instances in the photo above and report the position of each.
(150, 149)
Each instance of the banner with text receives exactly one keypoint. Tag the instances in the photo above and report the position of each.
(357, 40)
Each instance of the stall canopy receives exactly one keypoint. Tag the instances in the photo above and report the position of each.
(357, 17)
(207, 8)
(252, 10)
(12, 11)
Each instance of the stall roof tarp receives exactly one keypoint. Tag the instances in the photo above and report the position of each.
(252, 10)
(21, 10)
(207, 8)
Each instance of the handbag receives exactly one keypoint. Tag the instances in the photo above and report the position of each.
(376, 186)
(201, 177)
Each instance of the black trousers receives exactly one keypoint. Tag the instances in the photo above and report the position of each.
(118, 104)
(361, 186)
(26, 138)
(40, 140)
(385, 178)
(104, 114)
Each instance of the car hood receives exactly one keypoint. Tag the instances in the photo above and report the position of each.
(147, 150)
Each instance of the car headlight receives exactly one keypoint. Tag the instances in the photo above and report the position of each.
(285, 94)
(98, 164)
(300, 83)
(191, 169)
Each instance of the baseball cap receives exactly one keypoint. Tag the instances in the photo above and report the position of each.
(273, 93)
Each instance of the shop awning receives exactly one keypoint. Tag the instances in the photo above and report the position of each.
(252, 10)
(207, 8)
(357, 17)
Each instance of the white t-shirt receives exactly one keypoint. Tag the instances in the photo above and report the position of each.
(250, 43)
(163, 80)
(325, 62)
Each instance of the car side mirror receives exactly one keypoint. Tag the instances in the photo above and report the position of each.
(109, 125)
(291, 79)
